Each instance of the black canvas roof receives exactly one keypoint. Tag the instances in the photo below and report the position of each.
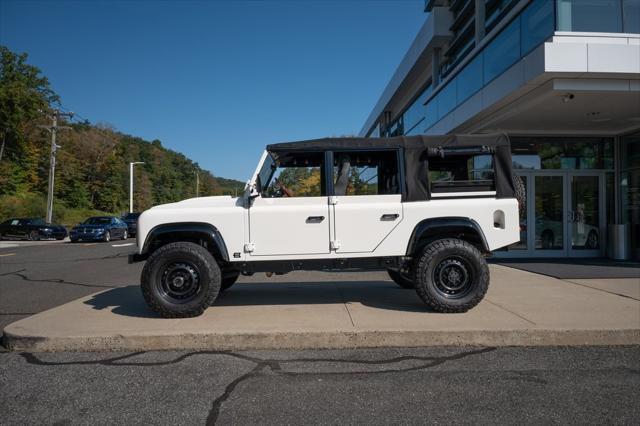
(414, 142)
(417, 150)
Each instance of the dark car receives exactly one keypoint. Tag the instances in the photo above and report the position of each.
(131, 219)
(31, 229)
(99, 228)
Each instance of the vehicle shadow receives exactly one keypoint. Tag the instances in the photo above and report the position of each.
(128, 301)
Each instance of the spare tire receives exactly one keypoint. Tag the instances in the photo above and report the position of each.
(520, 193)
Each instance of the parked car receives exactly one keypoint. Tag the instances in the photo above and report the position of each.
(549, 234)
(131, 219)
(99, 228)
(31, 229)
(415, 205)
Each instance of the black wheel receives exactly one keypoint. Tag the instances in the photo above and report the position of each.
(125, 235)
(592, 240)
(34, 236)
(107, 237)
(547, 239)
(400, 279)
(520, 194)
(180, 280)
(228, 280)
(73, 240)
(451, 275)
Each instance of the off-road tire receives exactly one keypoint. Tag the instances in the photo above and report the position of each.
(452, 252)
(202, 261)
(400, 279)
(520, 192)
(228, 280)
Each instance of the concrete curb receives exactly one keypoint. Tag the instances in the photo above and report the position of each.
(322, 340)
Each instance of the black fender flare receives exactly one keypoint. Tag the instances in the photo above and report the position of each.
(447, 227)
(203, 233)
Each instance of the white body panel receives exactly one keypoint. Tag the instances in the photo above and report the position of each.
(359, 223)
(279, 229)
(284, 226)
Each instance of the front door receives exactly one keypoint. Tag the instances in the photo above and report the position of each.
(564, 215)
(291, 215)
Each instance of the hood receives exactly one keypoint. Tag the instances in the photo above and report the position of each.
(201, 202)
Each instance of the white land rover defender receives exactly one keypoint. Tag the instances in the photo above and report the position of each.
(426, 209)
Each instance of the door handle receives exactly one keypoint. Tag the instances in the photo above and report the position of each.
(315, 219)
(390, 216)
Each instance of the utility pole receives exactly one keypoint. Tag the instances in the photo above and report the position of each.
(131, 164)
(53, 129)
(4, 138)
(197, 182)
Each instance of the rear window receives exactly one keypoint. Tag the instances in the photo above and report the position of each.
(461, 173)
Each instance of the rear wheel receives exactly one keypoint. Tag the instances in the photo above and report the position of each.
(180, 280)
(34, 236)
(520, 193)
(400, 279)
(451, 275)
(107, 237)
(125, 235)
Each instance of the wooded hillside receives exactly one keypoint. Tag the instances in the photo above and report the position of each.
(92, 171)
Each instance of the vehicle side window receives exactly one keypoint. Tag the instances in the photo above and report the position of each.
(461, 173)
(365, 173)
(15, 222)
(295, 175)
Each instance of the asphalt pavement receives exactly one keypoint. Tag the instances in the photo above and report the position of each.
(36, 276)
(563, 385)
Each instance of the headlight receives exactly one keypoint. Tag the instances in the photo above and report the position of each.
(47, 229)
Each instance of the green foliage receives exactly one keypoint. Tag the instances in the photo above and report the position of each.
(92, 173)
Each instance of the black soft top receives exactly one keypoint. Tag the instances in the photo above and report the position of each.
(417, 150)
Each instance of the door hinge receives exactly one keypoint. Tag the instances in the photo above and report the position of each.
(335, 245)
(333, 200)
(249, 248)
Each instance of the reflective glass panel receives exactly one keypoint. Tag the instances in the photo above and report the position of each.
(502, 52)
(548, 201)
(585, 212)
(536, 24)
(603, 16)
(631, 16)
(469, 80)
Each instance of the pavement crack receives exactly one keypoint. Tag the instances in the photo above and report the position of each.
(602, 290)
(511, 312)
(57, 281)
(275, 365)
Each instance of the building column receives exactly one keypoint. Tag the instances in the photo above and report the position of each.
(479, 20)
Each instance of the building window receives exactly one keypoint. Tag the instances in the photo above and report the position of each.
(536, 24)
(530, 153)
(630, 189)
(469, 80)
(414, 116)
(631, 16)
(365, 173)
(603, 16)
(502, 52)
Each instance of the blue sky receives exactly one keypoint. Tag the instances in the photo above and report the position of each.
(217, 80)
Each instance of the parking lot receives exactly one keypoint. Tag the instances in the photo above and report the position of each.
(376, 385)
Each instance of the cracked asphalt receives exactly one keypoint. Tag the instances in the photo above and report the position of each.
(579, 385)
(568, 385)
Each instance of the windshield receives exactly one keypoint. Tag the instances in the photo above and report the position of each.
(266, 172)
(36, 222)
(98, 221)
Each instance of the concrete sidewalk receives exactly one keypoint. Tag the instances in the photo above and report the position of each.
(343, 310)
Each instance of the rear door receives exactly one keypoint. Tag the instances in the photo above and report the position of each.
(367, 203)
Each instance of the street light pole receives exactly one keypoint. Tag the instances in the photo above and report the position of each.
(131, 164)
(197, 182)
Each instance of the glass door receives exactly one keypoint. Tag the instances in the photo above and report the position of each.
(585, 214)
(549, 215)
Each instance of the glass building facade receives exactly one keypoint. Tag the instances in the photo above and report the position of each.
(578, 184)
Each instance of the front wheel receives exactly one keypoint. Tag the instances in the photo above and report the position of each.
(451, 275)
(180, 280)
(125, 235)
(34, 236)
